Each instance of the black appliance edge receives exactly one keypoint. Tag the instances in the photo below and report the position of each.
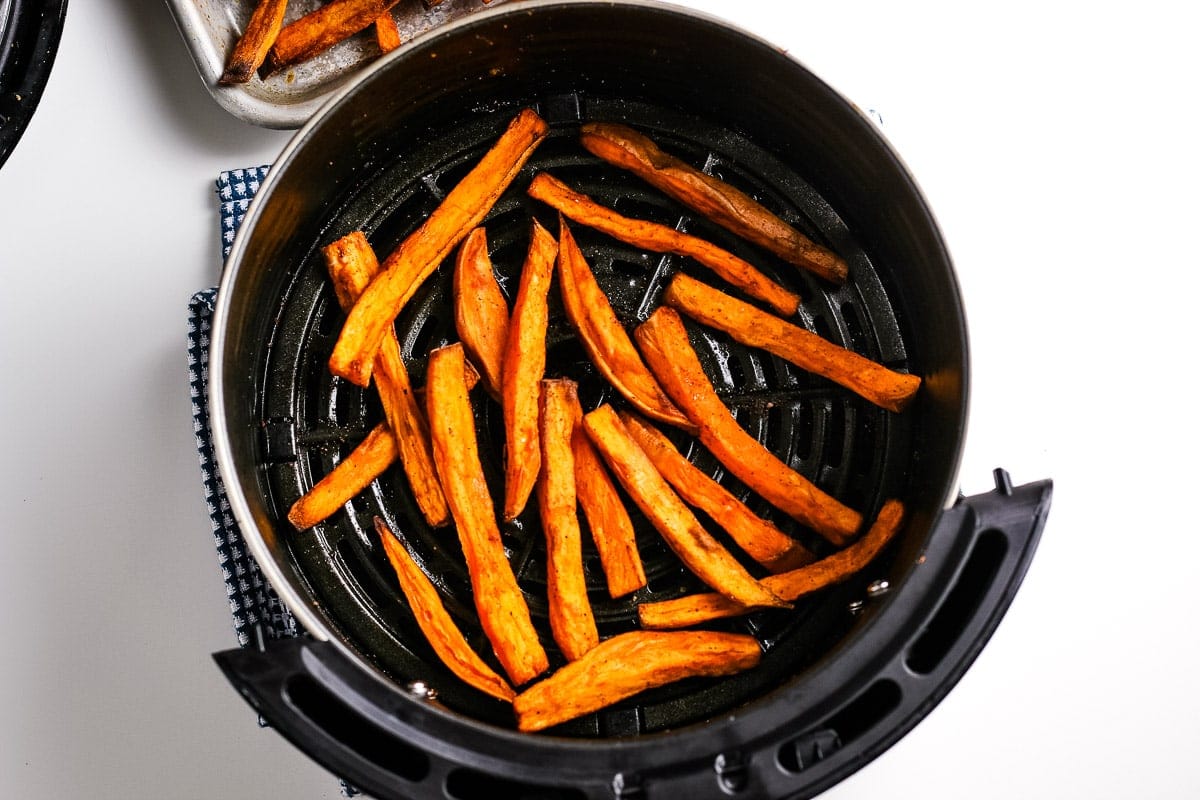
(920, 640)
(28, 46)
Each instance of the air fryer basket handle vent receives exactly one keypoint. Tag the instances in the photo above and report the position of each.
(367, 733)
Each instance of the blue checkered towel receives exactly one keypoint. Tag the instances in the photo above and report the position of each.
(258, 614)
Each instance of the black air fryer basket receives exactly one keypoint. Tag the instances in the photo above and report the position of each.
(846, 672)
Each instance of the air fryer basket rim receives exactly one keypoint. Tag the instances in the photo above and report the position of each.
(222, 380)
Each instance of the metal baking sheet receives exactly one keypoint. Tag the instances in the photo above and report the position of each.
(287, 99)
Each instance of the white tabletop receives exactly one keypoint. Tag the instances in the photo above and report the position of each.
(1056, 143)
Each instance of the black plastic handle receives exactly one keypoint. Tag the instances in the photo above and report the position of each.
(921, 640)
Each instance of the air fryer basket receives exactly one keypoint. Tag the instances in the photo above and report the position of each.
(846, 672)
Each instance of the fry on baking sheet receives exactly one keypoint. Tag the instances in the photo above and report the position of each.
(387, 33)
(480, 310)
(255, 42)
(352, 264)
(611, 527)
(627, 664)
(374, 454)
(604, 338)
(761, 540)
(698, 608)
(436, 623)
(571, 620)
(416, 258)
(662, 239)
(750, 326)
(503, 612)
(523, 365)
(322, 28)
(695, 547)
(664, 342)
(719, 202)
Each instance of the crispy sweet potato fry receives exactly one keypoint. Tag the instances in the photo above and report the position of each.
(884, 387)
(374, 454)
(662, 239)
(571, 619)
(255, 42)
(415, 259)
(523, 366)
(664, 342)
(612, 530)
(712, 197)
(630, 663)
(387, 33)
(322, 28)
(792, 585)
(436, 623)
(352, 264)
(696, 548)
(761, 540)
(480, 310)
(502, 610)
(605, 339)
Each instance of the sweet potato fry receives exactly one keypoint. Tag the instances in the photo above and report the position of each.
(696, 548)
(630, 663)
(664, 342)
(352, 264)
(322, 28)
(612, 530)
(436, 623)
(712, 197)
(523, 366)
(750, 326)
(415, 259)
(571, 619)
(387, 33)
(792, 585)
(255, 42)
(480, 310)
(503, 612)
(374, 454)
(761, 540)
(662, 239)
(605, 339)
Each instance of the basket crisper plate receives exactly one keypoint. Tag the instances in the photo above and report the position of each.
(287, 99)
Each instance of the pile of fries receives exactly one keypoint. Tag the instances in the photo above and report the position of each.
(567, 459)
(266, 45)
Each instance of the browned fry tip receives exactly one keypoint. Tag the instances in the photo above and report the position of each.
(255, 42)
(792, 585)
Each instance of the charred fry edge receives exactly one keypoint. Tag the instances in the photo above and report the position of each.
(695, 547)
(750, 326)
(523, 365)
(255, 42)
(612, 529)
(480, 310)
(322, 28)
(416, 258)
(503, 612)
(352, 264)
(436, 623)
(604, 337)
(571, 618)
(695, 609)
(628, 664)
(761, 540)
(662, 239)
(374, 454)
(715, 199)
(665, 344)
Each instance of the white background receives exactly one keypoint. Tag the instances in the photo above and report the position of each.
(1055, 141)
